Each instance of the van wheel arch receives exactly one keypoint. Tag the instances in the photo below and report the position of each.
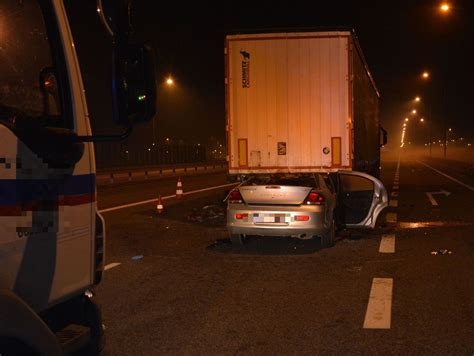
(22, 326)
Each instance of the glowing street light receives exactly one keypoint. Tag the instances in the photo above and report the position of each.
(425, 75)
(169, 81)
(407, 119)
(445, 7)
(422, 120)
(417, 98)
(413, 111)
(404, 125)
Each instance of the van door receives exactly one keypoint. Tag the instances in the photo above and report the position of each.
(47, 196)
(360, 199)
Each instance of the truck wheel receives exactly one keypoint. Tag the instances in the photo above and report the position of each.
(327, 240)
(236, 239)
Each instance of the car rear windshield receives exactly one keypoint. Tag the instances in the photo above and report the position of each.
(307, 180)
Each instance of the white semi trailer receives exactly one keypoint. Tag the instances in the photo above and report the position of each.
(300, 102)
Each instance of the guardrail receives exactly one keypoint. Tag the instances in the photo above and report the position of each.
(106, 177)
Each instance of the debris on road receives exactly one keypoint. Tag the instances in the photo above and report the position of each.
(442, 251)
(137, 257)
(206, 213)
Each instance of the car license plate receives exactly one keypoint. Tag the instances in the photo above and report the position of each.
(271, 218)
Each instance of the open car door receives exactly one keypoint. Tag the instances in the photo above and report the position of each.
(360, 199)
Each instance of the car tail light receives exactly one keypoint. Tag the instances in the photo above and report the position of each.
(240, 216)
(235, 197)
(301, 218)
(314, 198)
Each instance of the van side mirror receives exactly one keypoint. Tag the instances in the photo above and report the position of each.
(133, 85)
(115, 16)
(48, 85)
(133, 72)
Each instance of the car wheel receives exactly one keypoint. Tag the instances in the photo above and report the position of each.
(327, 240)
(236, 239)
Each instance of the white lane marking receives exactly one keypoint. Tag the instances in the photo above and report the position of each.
(111, 265)
(432, 200)
(379, 308)
(164, 198)
(394, 194)
(395, 187)
(449, 177)
(387, 244)
(391, 217)
(393, 203)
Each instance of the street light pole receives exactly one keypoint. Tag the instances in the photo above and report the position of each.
(428, 123)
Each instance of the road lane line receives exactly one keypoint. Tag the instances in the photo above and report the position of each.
(379, 308)
(394, 194)
(165, 198)
(449, 177)
(393, 203)
(111, 265)
(432, 200)
(387, 244)
(395, 187)
(391, 218)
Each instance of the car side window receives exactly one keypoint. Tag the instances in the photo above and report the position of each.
(329, 183)
(29, 92)
(356, 184)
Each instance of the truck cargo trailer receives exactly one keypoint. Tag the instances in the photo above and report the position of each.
(300, 102)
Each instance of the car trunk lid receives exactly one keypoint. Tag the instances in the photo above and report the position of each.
(274, 194)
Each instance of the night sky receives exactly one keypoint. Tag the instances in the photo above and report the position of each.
(400, 39)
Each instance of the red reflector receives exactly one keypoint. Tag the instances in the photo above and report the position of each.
(240, 216)
(235, 197)
(315, 198)
(302, 218)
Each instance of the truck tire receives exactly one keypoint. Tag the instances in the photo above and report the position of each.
(327, 240)
(236, 239)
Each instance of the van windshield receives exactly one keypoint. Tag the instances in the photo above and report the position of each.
(24, 53)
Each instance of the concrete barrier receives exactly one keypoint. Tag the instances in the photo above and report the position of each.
(104, 177)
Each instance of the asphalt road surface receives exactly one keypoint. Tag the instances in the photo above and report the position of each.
(175, 285)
